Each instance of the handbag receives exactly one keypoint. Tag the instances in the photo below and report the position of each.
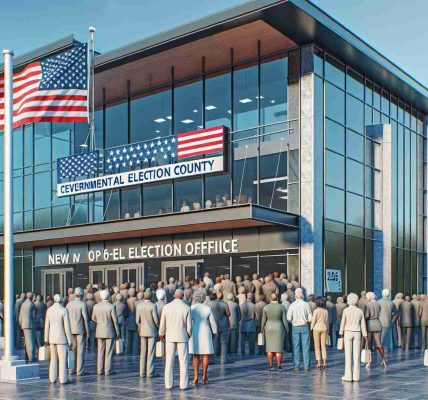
(340, 343)
(160, 349)
(328, 341)
(426, 358)
(119, 346)
(260, 339)
(44, 353)
(71, 360)
(366, 355)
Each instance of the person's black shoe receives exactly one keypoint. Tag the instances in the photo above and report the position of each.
(279, 369)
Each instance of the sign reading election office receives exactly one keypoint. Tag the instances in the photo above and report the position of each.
(181, 156)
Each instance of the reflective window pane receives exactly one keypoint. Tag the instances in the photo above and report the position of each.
(245, 103)
(157, 199)
(116, 125)
(334, 136)
(245, 171)
(355, 145)
(218, 100)
(334, 71)
(354, 209)
(217, 191)
(335, 103)
(42, 143)
(188, 195)
(334, 169)
(355, 84)
(354, 114)
(355, 176)
(188, 105)
(131, 202)
(334, 204)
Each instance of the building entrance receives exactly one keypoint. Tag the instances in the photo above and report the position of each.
(114, 275)
(179, 270)
(56, 281)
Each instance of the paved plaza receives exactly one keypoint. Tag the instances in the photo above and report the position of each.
(248, 378)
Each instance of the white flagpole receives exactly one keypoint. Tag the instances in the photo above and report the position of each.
(92, 88)
(8, 209)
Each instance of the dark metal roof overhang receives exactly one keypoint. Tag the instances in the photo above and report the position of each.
(302, 22)
(234, 217)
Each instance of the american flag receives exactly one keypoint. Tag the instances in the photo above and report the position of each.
(200, 143)
(51, 90)
(78, 165)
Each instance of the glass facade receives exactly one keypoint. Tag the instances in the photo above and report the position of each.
(352, 185)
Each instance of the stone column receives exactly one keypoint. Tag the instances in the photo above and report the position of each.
(311, 194)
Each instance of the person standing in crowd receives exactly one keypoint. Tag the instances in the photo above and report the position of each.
(352, 326)
(208, 281)
(417, 333)
(362, 301)
(331, 309)
(170, 289)
(423, 314)
(176, 329)
(49, 302)
(319, 328)
(104, 315)
(18, 332)
(279, 283)
(204, 328)
(161, 302)
(1, 318)
(115, 293)
(27, 322)
(247, 284)
(406, 322)
(257, 287)
(387, 317)
(131, 328)
(300, 315)
(58, 337)
(79, 322)
(221, 314)
(269, 287)
(290, 293)
(258, 310)
(248, 327)
(147, 319)
(340, 306)
(188, 293)
(398, 340)
(238, 282)
(228, 286)
(218, 288)
(374, 327)
(121, 312)
(40, 319)
(286, 304)
(234, 319)
(274, 326)
(311, 302)
(92, 325)
(242, 297)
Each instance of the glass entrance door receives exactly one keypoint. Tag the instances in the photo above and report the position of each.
(179, 270)
(56, 281)
(115, 275)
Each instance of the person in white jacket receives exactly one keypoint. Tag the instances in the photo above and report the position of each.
(58, 336)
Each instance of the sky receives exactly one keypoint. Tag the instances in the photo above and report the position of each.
(395, 28)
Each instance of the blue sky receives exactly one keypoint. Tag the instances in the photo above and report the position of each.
(396, 28)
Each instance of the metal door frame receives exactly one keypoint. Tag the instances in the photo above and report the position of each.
(181, 264)
(62, 275)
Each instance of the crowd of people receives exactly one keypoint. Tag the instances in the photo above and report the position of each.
(210, 320)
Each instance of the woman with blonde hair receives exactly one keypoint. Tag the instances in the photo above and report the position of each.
(374, 327)
(353, 325)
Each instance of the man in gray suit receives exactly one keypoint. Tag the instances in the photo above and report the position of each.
(417, 331)
(388, 315)
(104, 315)
(131, 326)
(161, 302)
(170, 289)
(92, 325)
(221, 315)
(40, 319)
(121, 312)
(79, 321)
(248, 326)
(27, 322)
(258, 310)
(331, 308)
(228, 287)
(257, 286)
(147, 319)
(58, 337)
(234, 318)
(18, 332)
(176, 328)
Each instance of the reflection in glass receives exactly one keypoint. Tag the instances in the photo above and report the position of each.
(131, 202)
(335, 103)
(42, 143)
(245, 265)
(334, 204)
(354, 114)
(218, 100)
(151, 116)
(334, 71)
(112, 205)
(334, 169)
(188, 107)
(188, 195)
(245, 171)
(217, 191)
(354, 176)
(334, 136)
(157, 199)
(355, 145)
(354, 209)
(116, 130)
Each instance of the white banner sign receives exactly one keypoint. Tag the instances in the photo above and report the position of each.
(138, 177)
(333, 280)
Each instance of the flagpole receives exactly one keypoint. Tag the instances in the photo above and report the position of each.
(92, 81)
(8, 209)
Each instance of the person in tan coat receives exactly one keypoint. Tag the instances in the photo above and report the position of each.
(319, 328)
(353, 325)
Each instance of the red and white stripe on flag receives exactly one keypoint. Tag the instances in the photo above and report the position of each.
(31, 104)
(200, 143)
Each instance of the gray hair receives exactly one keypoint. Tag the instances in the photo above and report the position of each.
(370, 296)
(57, 298)
(299, 293)
(199, 297)
(78, 292)
(119, 298)
(179, 294)
(230, 297)
(160, 294)
(104, 294)
(284, 297)
(385, 292)
(339, 300)
(352, 299)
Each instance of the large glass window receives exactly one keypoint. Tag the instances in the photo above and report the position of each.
(335, 103)
(218, 99)
(245, 171)
(334, 136)
(188, 195)
(42, 189)
(334, 169)
(42, 143)
(116, 129)
(355, 264)
(245, 98)
(112, 205)
(354, 114)
(354, 209)
(151, 116)
(188, 107)
(61, 140)
(157, 199)
(355, 145)
(354, 176)
(246, 265)
(217, 191)
(334, 71)
(334, 204)
(131, 202)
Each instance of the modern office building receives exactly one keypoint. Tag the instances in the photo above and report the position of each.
(321, 170)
